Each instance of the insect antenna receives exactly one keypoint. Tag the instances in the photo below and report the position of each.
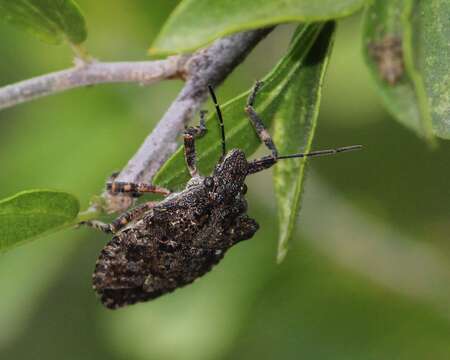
(268, 161)
(322, 152)
(220, 118)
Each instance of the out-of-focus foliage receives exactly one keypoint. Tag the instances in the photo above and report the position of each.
(50, 20)
(32, 213)
(294, 132)
(382, 26)
(195, 23)
(368, 272)
(429, 34)
(410, 38)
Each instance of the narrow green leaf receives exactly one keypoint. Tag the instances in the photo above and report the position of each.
(386, 22)
(428, 29)
(295, 125)
(195, 23)
(29, 214)
(50, 20)
(239, 131)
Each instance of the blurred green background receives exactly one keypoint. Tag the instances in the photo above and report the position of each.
(368, 273)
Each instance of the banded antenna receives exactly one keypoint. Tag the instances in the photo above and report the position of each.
(322, 152)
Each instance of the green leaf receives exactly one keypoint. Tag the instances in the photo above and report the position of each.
(404, 95)
(428, 31)
(50, 20)
(29, 214)
(295, 125)
(195, 23)
(239, 131)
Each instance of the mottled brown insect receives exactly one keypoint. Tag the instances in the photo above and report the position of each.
(388, 55)
(160, 246)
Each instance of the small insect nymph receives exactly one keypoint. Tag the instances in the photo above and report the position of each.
(158, 247)
(388, 55)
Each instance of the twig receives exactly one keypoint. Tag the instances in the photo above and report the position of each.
(209, 66)
(206, 67)
(142, 72)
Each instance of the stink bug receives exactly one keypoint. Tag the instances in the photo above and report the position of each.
(158, 247)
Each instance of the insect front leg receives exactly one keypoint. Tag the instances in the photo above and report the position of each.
(266, 161)
(257, 122)
(98, 225)
(122, 220)
(135, 189)
(190, 134)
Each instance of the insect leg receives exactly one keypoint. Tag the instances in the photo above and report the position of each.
(122, 220)
(190, 134)
(131, 215)
(98, 225)
(266, 161)
(135, 188)
(257, 122)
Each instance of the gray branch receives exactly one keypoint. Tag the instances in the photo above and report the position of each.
(142, 72)
(209, 66)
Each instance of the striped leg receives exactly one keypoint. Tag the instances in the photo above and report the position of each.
(135, 188)
(122, 220)
(98, 225)
(266, 161)
(190, 134)
(257, 122)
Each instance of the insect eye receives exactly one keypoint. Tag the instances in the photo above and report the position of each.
(244, 189)
(208, 182)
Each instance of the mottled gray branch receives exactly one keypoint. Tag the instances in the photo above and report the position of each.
(209, 66)
(142, 72)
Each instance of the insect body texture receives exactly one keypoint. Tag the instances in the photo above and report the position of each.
(159, 247)
(175, 242)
